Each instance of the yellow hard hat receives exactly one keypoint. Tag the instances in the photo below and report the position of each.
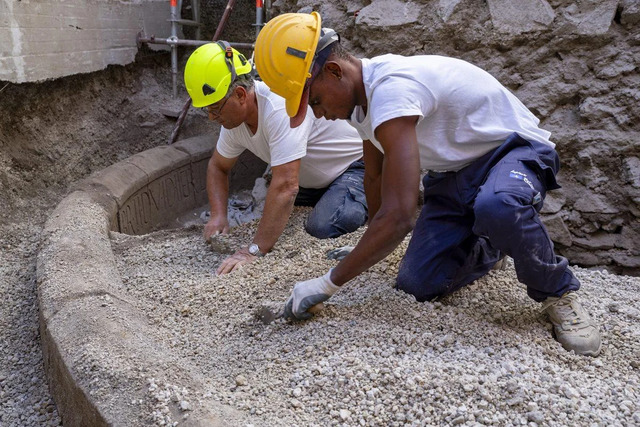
(210, 70)
(284, 54)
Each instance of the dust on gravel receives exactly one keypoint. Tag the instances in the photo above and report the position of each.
(375, 356)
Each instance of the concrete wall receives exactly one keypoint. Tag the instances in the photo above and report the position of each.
(47, 39)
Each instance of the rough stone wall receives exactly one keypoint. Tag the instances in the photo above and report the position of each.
(573, 63)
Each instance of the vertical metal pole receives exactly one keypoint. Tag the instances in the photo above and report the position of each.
(267, 11)
(259, 17)
(174, 47)
(195, 7)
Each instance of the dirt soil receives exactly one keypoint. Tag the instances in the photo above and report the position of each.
(51, 135)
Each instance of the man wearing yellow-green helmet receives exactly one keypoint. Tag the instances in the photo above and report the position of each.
(318, 164)
(489, 168)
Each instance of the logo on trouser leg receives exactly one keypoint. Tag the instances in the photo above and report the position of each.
(517, 175)
(522, 177)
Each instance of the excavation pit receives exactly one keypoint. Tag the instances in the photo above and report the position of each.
(138, 330)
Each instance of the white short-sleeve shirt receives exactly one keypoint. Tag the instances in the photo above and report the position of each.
(463, 112)
(326, 148)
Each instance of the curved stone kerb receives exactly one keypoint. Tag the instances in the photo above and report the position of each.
(99, 350)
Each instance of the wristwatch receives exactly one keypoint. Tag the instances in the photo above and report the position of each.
(254, 250)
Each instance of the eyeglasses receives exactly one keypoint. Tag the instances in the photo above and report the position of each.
(214, 113)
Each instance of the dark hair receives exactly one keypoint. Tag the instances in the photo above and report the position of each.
(339, 52)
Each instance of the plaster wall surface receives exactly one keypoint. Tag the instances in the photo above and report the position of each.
(41, 40)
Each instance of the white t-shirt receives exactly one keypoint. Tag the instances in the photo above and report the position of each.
(326, 148)
(463, 111)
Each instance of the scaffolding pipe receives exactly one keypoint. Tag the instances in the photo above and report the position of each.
(181, 117)
(195, 7)
(174, 47)
(259, 16)
(174, 42)
(184, 42)
(224, 19)
(267, 11)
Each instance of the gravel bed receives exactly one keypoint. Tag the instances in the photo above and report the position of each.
(375, 356)
(24, 395)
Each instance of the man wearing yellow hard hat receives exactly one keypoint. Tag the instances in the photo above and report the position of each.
(489, 168)
(316, 164)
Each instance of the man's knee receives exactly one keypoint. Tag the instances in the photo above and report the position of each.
(320, 229)
(326, 228)
(417, 285)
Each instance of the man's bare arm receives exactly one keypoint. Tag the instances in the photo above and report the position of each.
(372, 177)
(277, 208)
(281, 195)
(218, 171)
(400, 175)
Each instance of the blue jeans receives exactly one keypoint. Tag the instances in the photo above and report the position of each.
(473, 217)
(338, 209)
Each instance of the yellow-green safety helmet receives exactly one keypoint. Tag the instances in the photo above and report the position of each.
(210, 70)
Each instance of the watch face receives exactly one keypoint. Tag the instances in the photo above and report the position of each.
(254, 249)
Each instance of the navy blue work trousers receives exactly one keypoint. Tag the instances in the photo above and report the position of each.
(338, 209)
(473, 217)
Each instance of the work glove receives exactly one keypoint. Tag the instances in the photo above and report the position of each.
(339, 253)
(307, 294)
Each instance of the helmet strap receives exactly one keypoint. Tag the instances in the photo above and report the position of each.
(228, 59)
(318, 62)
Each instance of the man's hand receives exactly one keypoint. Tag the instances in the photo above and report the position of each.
(307, 294)
(216, 226)
(233, 262)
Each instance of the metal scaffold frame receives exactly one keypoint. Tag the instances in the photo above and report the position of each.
(174, 41)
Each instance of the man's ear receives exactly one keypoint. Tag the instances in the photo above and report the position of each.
(240, 93)
(333, 68)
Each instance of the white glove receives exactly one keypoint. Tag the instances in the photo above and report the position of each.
(339, 253)
(307, 294)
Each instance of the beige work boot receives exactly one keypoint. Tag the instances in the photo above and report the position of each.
(573, 326)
